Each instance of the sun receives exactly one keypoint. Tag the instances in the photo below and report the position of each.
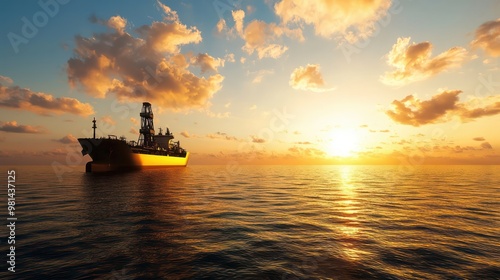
(343, 143)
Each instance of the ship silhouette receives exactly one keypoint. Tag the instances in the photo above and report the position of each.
(151, 150)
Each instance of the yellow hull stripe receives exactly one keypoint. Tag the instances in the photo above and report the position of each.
(155, 160)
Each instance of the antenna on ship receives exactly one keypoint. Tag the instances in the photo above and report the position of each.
(94, 126)
(147, 127)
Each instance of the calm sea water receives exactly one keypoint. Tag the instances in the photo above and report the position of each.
(258, 222)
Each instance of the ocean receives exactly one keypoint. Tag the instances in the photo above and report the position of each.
(255, 222)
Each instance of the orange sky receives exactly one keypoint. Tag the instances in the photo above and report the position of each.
(256, 82)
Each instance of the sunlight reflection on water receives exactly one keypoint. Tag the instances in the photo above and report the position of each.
(274, 222)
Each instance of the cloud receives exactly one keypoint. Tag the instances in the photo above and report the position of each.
(14, 97)
(134, 121)
(108, 120)
(351, 19)
(238, 17)
(219, 115)
(489, 106)
(486, 146)
(250, 9)
(260, 37)
(259, 75)
(412, 111)
(134, 131)
(306, 151)
(256, 139)
(487, 37)
(185, 134)
(403, 142)
(222, 135)
(5, 80)
(221, 26)
(384, 130)
(117, 23)
(68, 139)
(145, 65)
(308, 78)
(18, 128)
(170, 15)
(229, 57)
(207, 63)
(478, 139)
(414, 63)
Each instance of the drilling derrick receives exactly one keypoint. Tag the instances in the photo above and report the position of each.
(147, 127)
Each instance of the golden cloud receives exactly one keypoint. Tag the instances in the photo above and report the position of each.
(41, 103)
(352, 19)
(306, 151)
(258, 140)
(133, 130)
(486, 146)
(221, 135)
(487, 37)
(412, 111)
(19, 128)
(259, 75)
(68, 139)
(117, 23)
(238, 17)
(148, 66)
(413, 62)
(108, 120)
(308, 78)
(260, 37)
(207, 63)
(134, 121)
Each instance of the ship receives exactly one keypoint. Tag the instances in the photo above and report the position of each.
(114, 153)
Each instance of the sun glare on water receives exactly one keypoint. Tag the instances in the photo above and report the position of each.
(343, 143)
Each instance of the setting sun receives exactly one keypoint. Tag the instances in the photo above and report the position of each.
(265, 82)
(343, 143)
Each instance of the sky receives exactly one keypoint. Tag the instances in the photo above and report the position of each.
(255, 82)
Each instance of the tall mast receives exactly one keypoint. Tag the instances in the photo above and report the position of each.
(147, 127)
(94, 126)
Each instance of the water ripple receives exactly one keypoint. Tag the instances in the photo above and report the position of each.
(279, 222)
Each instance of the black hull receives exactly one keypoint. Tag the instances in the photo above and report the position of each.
(110, 154)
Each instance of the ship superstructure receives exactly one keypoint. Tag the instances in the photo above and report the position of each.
(150, 150)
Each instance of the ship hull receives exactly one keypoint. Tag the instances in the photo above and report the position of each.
(117, 155)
